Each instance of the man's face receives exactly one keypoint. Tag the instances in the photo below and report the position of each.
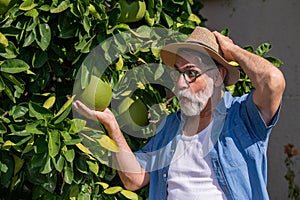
(193, 95)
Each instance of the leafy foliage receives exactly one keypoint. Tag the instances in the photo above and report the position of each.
(45, 153)
(291, 153)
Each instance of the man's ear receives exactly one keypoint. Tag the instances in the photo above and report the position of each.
(220, 76)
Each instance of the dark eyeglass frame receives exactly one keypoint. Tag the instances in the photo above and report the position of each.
(195, 73)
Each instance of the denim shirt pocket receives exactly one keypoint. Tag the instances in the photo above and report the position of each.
(238, 146)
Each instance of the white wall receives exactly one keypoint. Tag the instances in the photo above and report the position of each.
(277, 22)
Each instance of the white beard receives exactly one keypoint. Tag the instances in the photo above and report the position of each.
(196, 102)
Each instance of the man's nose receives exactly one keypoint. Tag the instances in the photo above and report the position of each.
(182, 82)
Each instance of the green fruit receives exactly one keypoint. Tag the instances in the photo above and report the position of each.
(132, 10)
(138, 113)
(5, 5)
(97, 95)
(133, 113)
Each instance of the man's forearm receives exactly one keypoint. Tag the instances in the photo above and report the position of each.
(259, 70)
(130, 171)
(267, 80)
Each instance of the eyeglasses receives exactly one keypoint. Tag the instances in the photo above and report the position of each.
(189, 75)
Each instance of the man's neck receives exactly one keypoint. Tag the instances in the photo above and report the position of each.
(195, 124)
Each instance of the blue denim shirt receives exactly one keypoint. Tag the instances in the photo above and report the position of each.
(238, 156)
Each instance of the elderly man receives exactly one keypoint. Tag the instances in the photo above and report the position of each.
(215, 146)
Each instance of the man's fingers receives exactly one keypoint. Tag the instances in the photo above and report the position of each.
(226, 45)
(216, 33)
(84, 110)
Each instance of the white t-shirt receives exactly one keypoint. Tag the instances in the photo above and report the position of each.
(190, 174)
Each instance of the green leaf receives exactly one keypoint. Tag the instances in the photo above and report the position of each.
(262, 49)
(72, 141)
(83, 148)
(24, 140)
(168, 19)
(29, 146)
(14, 66)
(32, 13)
(63, 116)
(68, 174)
(27, 5)
(45, 8)
(194, 18)
(7, 161)
(67, 104)
(225, 32)
(69, 155)
(68, 140)
(39, 59)
(81, 166)
(3, 40)
(41, 146)
(47, 167)
(142, 32)
(86, 23)
(49, 102)
(39, 112)
(30, 72)
(18, 111)
(93, 166)
(275, 61)
(85, 196)
(53, 142)
(29, 39)
(32, 128)
(120, 63)
(121, 44)
(113, 190)
(10, 51)
(104, 185)
(108, 143)
(44, 36)
(84, 46)
(3, 167)
(74, 191)
(14, 80)
(149, 19)
(77, 125)
(59, 164)
(159, 72)
(10, 95)
(19, 162)
(130, 195)
(2, 84)
(61, 7)
(7, 144)
(3, 128)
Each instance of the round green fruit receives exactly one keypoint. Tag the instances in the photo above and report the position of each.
(133, 113)
(132, 10)
(97, 95)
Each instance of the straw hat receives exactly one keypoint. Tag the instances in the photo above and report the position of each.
(204, 41)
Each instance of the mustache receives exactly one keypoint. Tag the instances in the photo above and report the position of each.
(185, 93)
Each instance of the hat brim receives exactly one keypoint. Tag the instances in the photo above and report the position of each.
(168, 56)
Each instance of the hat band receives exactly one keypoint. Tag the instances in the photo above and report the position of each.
(202, 45)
